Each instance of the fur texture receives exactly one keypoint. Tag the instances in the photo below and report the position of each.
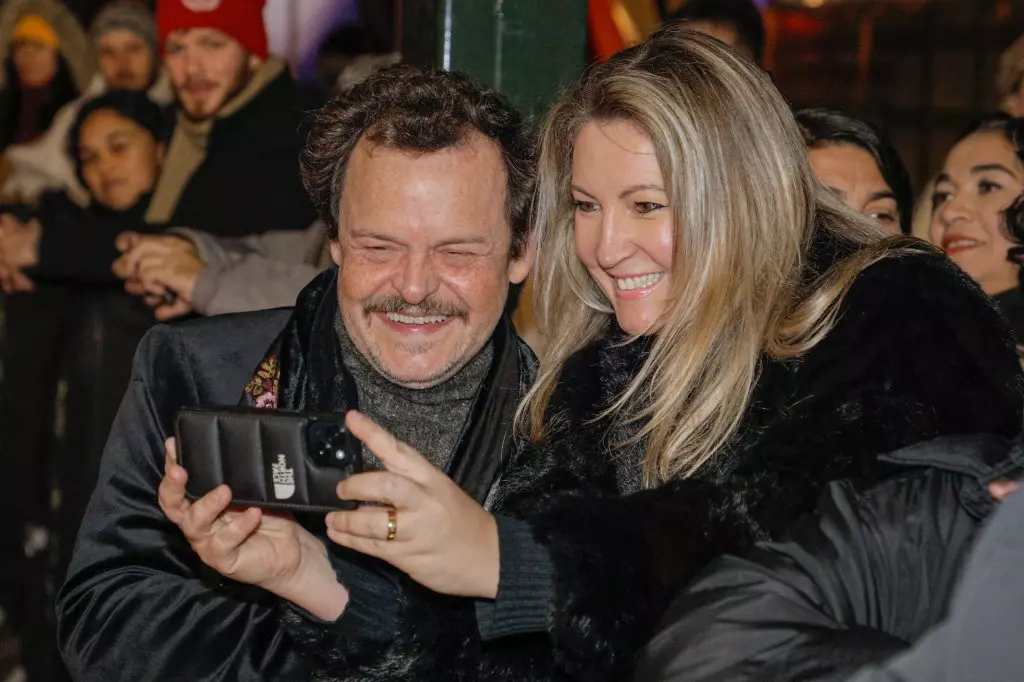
(919, 352)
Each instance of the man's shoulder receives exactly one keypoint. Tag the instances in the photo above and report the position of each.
(216, 355)
(219, 330)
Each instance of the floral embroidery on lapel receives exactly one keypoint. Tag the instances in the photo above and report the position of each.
(263, 385)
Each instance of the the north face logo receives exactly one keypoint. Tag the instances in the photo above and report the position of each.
(283, 477)
(201, 5)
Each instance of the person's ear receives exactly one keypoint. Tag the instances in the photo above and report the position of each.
(1013, 104)
(335, 250)
(519, 267)
(255, 62)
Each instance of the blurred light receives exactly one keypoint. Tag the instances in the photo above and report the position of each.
(814, 4)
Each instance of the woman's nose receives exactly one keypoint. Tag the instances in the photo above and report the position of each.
(615, 242)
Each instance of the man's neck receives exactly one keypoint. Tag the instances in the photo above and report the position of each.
(463, 383)
(428, 419)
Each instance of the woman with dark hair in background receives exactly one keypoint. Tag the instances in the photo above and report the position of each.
(854, 160)
(982, 176)
(87, 337)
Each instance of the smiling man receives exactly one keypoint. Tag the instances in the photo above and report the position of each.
(425, 180)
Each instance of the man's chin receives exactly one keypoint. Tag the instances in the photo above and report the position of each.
(199, 111)
(417, 370)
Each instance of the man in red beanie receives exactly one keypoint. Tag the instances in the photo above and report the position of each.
(232, 164)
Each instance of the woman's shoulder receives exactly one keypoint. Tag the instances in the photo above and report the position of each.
(919, 286)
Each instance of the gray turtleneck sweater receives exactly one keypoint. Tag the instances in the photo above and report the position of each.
(430, 420)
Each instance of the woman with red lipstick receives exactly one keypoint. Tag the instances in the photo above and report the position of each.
(723, 338)
(984, 174)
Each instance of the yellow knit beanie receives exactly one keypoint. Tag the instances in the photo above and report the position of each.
(33, 28)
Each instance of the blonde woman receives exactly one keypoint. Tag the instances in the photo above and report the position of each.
(723, 338)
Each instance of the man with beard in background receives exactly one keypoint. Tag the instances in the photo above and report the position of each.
(232, 164)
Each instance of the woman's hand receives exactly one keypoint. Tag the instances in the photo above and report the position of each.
(19, 249)
(444, 540)
(1000, 490)
(252, 546)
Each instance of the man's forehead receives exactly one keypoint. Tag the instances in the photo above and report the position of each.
(120, 35)
(185, 35)
(472, 169)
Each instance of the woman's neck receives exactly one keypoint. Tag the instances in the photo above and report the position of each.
(1001, 282)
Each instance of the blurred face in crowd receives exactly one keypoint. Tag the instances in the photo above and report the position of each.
(207, 68)
(125, 61)
(36, 64)
(424, 253)
(120, 159)
(623, 225)
(852, 174)
(723, 31)
(1014, 102)
(980, 179)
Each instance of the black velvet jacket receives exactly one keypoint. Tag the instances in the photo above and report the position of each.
(918, 352)
(137, 603)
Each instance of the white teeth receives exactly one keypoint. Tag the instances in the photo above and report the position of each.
(957, 243)
(641, 282)
(409, 319)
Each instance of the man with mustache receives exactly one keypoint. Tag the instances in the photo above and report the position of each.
(424, 182)
(230, 167)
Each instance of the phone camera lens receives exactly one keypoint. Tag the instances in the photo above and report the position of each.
(334, 448)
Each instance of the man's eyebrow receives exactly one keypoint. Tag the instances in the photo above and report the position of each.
(463, 240)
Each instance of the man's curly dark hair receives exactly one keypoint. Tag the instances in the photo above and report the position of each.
(424, 110)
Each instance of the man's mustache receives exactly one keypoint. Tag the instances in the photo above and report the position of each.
(428, 307)
(198, 84)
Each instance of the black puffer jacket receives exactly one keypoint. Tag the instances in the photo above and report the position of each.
(589, 562)
(858, 582)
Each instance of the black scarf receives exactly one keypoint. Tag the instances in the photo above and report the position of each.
(303, 371)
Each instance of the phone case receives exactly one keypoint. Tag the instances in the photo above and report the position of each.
(270, 459)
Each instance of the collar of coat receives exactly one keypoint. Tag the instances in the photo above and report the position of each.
(980, 459)
(303, 371)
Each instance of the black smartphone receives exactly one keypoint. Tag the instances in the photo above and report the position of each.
(270, 459)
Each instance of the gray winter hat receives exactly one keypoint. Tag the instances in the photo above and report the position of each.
(127, 15)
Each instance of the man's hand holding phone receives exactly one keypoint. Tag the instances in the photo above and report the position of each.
(253, 546)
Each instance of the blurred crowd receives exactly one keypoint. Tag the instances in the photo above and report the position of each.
(149, 172)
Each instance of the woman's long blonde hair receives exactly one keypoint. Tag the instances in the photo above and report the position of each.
(745, 207)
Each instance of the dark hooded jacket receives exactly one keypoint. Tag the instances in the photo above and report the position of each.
(590, 561)
(248, 181)
(138, 604)
(856, 583)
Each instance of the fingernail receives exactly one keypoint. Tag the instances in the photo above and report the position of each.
(329, 520)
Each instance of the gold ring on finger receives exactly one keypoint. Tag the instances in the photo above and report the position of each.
(392, 523)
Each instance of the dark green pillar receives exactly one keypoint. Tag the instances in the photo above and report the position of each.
(527, 49)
